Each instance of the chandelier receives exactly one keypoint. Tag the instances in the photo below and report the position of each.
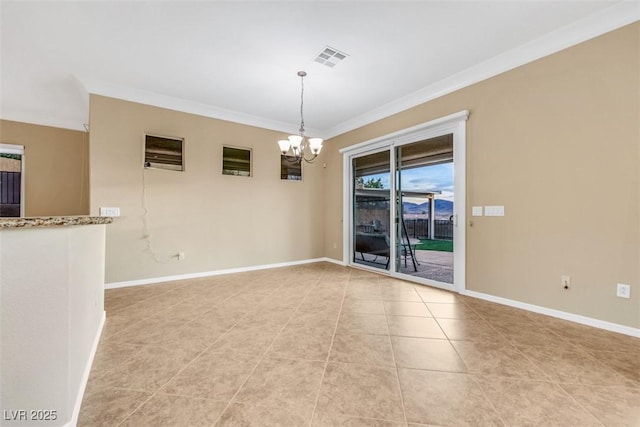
(293, 149)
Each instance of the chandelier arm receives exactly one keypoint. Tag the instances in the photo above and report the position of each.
(295, 159)
(311, 160)
(291, 159)
(299, 158)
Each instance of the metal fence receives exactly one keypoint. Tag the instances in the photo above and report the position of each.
(419, 228)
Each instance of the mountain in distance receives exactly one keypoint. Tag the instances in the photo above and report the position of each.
(444, 208)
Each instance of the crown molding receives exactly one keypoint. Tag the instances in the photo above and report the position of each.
(612, 18)
(42, 119)
(99, 87)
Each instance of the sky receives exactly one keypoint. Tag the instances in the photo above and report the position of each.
(427, 178)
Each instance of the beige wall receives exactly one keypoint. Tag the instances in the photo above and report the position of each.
(556, 141)
(220, 222)
(56, 167)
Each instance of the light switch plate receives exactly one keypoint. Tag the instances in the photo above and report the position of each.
(476, 211)
(494, 211)
(109, 211)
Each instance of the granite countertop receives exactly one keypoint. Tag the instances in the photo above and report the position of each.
(53, 221)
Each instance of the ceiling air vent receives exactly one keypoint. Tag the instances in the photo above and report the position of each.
(330, 57)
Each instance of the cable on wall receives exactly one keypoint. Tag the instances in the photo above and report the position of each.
(146, 233)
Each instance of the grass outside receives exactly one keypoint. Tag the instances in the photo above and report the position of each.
(435, 245)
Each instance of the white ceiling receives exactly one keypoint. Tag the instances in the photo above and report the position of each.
(238, 60)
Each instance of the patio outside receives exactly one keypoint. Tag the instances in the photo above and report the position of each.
(420, 256)
(424, 193)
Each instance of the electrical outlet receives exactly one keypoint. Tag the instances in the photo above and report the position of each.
(565, 281)
(623, 291)
(335, 245)
(181, 256)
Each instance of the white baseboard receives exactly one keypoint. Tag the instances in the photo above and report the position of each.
(589, 321)
(333, 261)
(87, 371)
(139, 282)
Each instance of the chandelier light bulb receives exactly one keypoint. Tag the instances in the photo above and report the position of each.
(296, 141)
(284, 146)
(315, 144)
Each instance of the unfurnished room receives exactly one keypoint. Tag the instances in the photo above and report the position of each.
(320, 213)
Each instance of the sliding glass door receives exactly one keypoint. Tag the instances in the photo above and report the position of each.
(372, 204)
(404, 205)
(424, 208)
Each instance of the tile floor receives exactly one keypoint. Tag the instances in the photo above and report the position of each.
(324, 345)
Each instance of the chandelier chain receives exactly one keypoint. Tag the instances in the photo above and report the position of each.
(298, 144)
(302, 106)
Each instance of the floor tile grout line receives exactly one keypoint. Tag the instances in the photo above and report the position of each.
(531, 360)
(142, 346)
(165, 309)
(466, 368)
(470, 374)
(230, 402)
(189, 363)
(142, 300)
(504, 337)
(197, 356)
(153, 297)
(559, 385)
(397, 368)
(473, 378)
(122, 362)
(551, 379)
(161, 345)
(553, 383)
(143, 318)
(326, 363)
(188, 397)
(528, 358)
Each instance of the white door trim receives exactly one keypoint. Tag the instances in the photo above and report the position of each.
(452, 124)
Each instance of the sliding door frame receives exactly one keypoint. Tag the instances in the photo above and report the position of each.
(454, 124)
(392, 208)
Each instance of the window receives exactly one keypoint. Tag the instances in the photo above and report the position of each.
(290, 170)
(11, 180)
(163, 153)
(236, 161)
